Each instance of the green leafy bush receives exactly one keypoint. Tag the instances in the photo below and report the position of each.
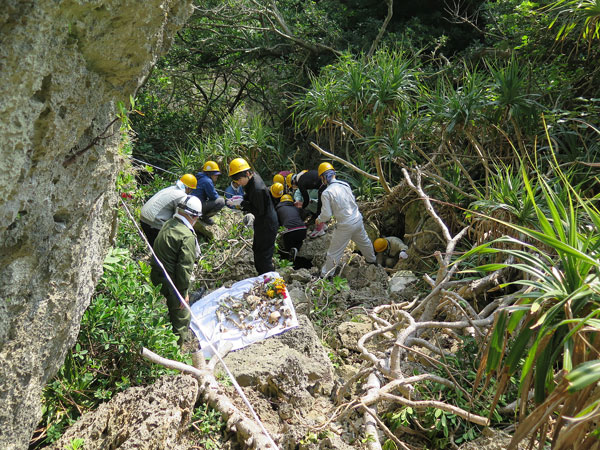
(442, 428)
(126, 313)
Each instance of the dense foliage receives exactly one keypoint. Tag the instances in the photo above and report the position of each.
(495, 101)
(127, 312)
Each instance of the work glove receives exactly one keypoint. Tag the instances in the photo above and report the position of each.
(403, 254)
(248, 220)
(235, 201)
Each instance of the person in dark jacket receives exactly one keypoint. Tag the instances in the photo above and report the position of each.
(294, 227)
(305, 181)
(257, 201)
(176, 247)
(205, 190)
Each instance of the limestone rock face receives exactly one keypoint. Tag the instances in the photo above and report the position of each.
(64, 65)
(290, 365)
(141, 418)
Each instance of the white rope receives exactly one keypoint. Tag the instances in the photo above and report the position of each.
(194, 320)
(165, 170)
(152, 165)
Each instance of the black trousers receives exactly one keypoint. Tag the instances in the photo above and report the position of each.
(292, 239)
(212, 207)
(314, 216)
(263, 245)
(150, 232)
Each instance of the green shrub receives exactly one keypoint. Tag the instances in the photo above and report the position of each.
(440, 427)
(126, 313)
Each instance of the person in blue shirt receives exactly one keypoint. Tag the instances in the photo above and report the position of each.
(231, 191)
(205, 190)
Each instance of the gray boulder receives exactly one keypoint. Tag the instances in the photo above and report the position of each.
(290, 366)
(141, 418)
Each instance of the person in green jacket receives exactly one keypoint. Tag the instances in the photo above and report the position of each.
(389, 250)
(176, 246)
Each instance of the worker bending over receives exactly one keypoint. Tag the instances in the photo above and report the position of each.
(305, 182)
(389, 250)
(294, 228)
(337, 200)
(163, 205)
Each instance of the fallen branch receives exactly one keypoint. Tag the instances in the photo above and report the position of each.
(422, 404)
(385, 429)
(446, 270)
(246, 429)
(490, 281)
(344, 162)
(370, 414)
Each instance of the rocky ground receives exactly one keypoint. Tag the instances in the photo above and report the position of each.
(290, 379)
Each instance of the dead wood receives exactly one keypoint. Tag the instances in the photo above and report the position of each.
(344, 162)
(370, 414)
(398, 327)
(246, 429)
(445, 272)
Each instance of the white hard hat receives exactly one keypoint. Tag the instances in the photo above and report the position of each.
(191, 205)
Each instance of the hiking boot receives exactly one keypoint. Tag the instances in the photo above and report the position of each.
(197, 295)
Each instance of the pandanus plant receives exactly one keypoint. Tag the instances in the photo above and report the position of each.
(358, 98)
(550, 338)
(576, 16)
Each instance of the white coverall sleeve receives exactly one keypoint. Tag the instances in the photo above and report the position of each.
(326, 210)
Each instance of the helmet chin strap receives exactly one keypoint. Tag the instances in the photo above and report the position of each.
(192, 219)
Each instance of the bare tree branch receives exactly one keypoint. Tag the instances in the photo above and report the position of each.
(375, 43)
(344, 162)
(208, 386)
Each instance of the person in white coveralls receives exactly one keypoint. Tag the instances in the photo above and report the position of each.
(338, 201)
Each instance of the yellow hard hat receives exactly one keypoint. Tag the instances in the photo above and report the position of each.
(380, 244)
(323, 167)
(277, 190)
(211, 166)
(278, 178)
(286, 198)
(189, 180)
(288, 179)
(238, 165)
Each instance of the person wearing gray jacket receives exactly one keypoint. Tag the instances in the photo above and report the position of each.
(163, 205)
(337, 200)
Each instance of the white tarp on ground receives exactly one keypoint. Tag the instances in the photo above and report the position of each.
(219, 333)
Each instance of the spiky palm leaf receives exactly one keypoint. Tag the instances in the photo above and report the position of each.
(554, 327)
